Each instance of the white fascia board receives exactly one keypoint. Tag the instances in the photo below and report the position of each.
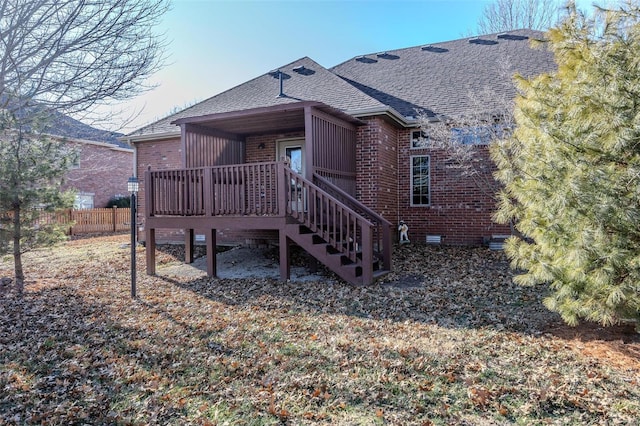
(388, 111)
(131, 139)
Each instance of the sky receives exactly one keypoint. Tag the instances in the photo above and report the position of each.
(214, 45)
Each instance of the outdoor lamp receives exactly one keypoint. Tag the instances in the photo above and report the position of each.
(132, 187)
(132, 184)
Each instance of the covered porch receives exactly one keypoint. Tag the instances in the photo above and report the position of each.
(234, 177)
(327, 135)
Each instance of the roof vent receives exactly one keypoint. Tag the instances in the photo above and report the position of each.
(277, 74)
(387, 55)
(281, 76)
(302, 70)
(366, 60)
(482, 41)
(505, 36)
(434, 49)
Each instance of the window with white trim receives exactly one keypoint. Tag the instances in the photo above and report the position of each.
(477, 135)
(420, 180)
(419, 139)
(84, 200)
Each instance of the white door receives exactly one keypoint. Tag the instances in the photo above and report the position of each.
(292, 150)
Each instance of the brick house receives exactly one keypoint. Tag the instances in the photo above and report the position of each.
(331, 159)
(100, 173)
(104, 163)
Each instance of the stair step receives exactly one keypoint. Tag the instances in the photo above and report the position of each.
(303, 230)
(316, 244)
(317, 239)
(332, 250)
(355, 268)
(380, 273)
(344, 260)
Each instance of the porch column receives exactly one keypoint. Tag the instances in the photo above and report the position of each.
(285, 265)
(188, 245)
(308, 144)
(212, 268)
(151, 250)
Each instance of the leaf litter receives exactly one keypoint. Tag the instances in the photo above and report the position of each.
(445, 339)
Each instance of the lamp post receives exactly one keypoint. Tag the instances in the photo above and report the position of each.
(132, 187)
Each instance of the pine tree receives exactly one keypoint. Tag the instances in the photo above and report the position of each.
(32, 167)
(61, 57)
(571, 171)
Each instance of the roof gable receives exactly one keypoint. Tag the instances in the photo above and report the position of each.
(434, 80)
(303, 80)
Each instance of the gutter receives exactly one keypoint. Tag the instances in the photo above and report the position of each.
(111, 146)
(131, 139)
(386, 111)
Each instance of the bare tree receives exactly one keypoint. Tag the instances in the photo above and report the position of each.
(507, 15)
(463, 139)
(74, 55)
(61, 56)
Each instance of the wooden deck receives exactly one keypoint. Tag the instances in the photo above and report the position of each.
(336, 229)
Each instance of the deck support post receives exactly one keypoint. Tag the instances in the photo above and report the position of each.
(285, 264)
(212, 268)
(150, 244)
(188, 245)
(313, 264)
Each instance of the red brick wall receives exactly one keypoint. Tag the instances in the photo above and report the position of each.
(159, 155)
(268, 153)
(461, 207)
(377, 167)
(103, 172)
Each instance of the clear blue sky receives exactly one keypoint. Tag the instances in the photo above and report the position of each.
(215, 45)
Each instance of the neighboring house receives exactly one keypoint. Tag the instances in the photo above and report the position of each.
(354, 163)
(100, 174)
(104, 163)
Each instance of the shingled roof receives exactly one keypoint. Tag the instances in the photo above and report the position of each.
(443, 78)
(65, 126)
(303, 80)
(436, 79)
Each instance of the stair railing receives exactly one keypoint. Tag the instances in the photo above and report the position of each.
(345, 230)
(382, 235)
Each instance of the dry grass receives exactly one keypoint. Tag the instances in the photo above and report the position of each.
(449, 340)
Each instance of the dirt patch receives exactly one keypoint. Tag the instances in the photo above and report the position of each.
(237, 263)
(617, 346)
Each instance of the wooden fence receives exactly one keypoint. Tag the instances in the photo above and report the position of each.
(89, 221)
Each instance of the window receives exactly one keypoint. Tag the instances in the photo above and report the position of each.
(419, 139)
(84, 200)
(420, 181)
(75, 162)
(471, 135)
(479, 135)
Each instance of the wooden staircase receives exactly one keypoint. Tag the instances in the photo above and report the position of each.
(355, 247)
(337, 261)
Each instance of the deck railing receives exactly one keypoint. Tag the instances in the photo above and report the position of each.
(269, 189)
(236, 190)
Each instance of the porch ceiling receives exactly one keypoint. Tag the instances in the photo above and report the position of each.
(279, 118)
